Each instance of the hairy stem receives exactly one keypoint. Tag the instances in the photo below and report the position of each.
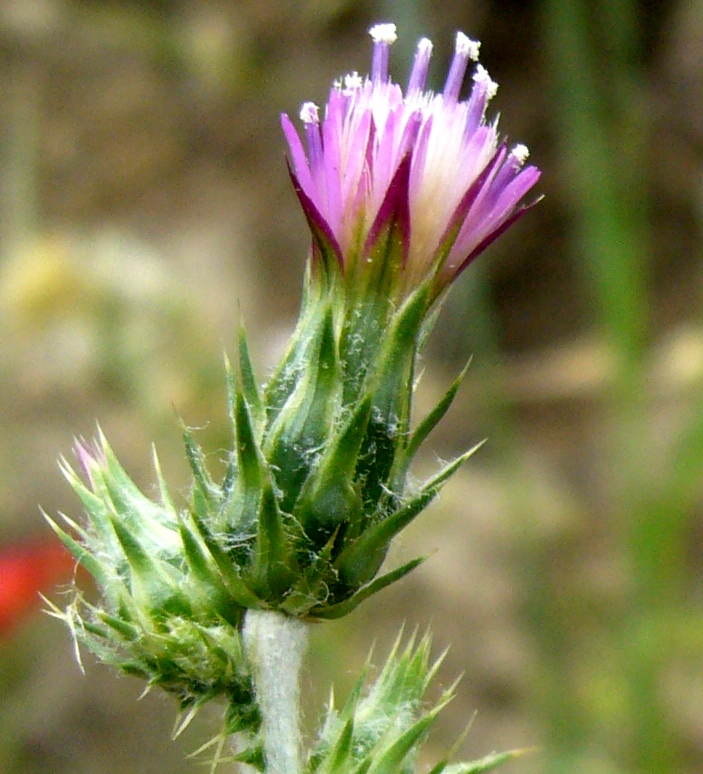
(275, 645)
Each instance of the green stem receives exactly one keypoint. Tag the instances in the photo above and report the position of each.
(275, 646)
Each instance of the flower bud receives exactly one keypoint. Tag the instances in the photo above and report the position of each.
(167, 613)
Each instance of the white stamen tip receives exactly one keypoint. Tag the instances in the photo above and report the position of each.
(383, 33)
(467, 47)
(481, 76)
(310, 113)
(521, 153)
(424, 46)
(353, 81)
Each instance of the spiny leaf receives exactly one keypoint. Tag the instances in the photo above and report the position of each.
(151, 578)
(186, 715)
(487, 763)
(138, 558)
(432, 419)
(164, 492)
(329, 496)
(341, 752)
(355, 561)
(316, 577)
(273, 552)
(355, 694)
(430, 320)
(345, 607)
(389, 381)
(204, 485)
(123, 628)
(253, 756)
(114, 475)
(249, 384)
(390, 760)
(76, 528)
(249, 460)
(94, 505)
(301, 348)
(197, 560)
(241, 592)
(391, 378)
(205, 570)
(95, 630)
(80, 553)
(230, 476)
(307, 418)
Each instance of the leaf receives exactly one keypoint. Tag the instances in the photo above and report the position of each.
(80, 553)
(206, 572)
(231, 472)
(249, 460)
(362, 556)
(340, 756)
(311, 587)
(393, 376)
(126, 630)
(305, 422)
(204, 485)
(390, 760)
(390, 382)
(343, 608)
(118, 483)
(487, 763)
(271, 569)
(249, 384)
(301, 347)
(95, 506)
(166, 499)
(241, 592)
(151, 577)
(330, 497)
(432, 419)
(355, 560)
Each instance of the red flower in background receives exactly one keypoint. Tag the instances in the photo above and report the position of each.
(27, 569)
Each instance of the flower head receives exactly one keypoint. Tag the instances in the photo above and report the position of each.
(166, 614)
(426, 167)
(401, 191)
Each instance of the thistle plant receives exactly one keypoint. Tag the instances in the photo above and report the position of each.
(212, 598)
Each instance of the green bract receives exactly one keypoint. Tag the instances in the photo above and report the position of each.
(381, 729)
(315, 487)
(166, 614)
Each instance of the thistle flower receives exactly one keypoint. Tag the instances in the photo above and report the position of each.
(209, 598)
(401, 192)
(406, 185)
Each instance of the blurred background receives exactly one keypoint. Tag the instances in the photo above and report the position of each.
(145, 206)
